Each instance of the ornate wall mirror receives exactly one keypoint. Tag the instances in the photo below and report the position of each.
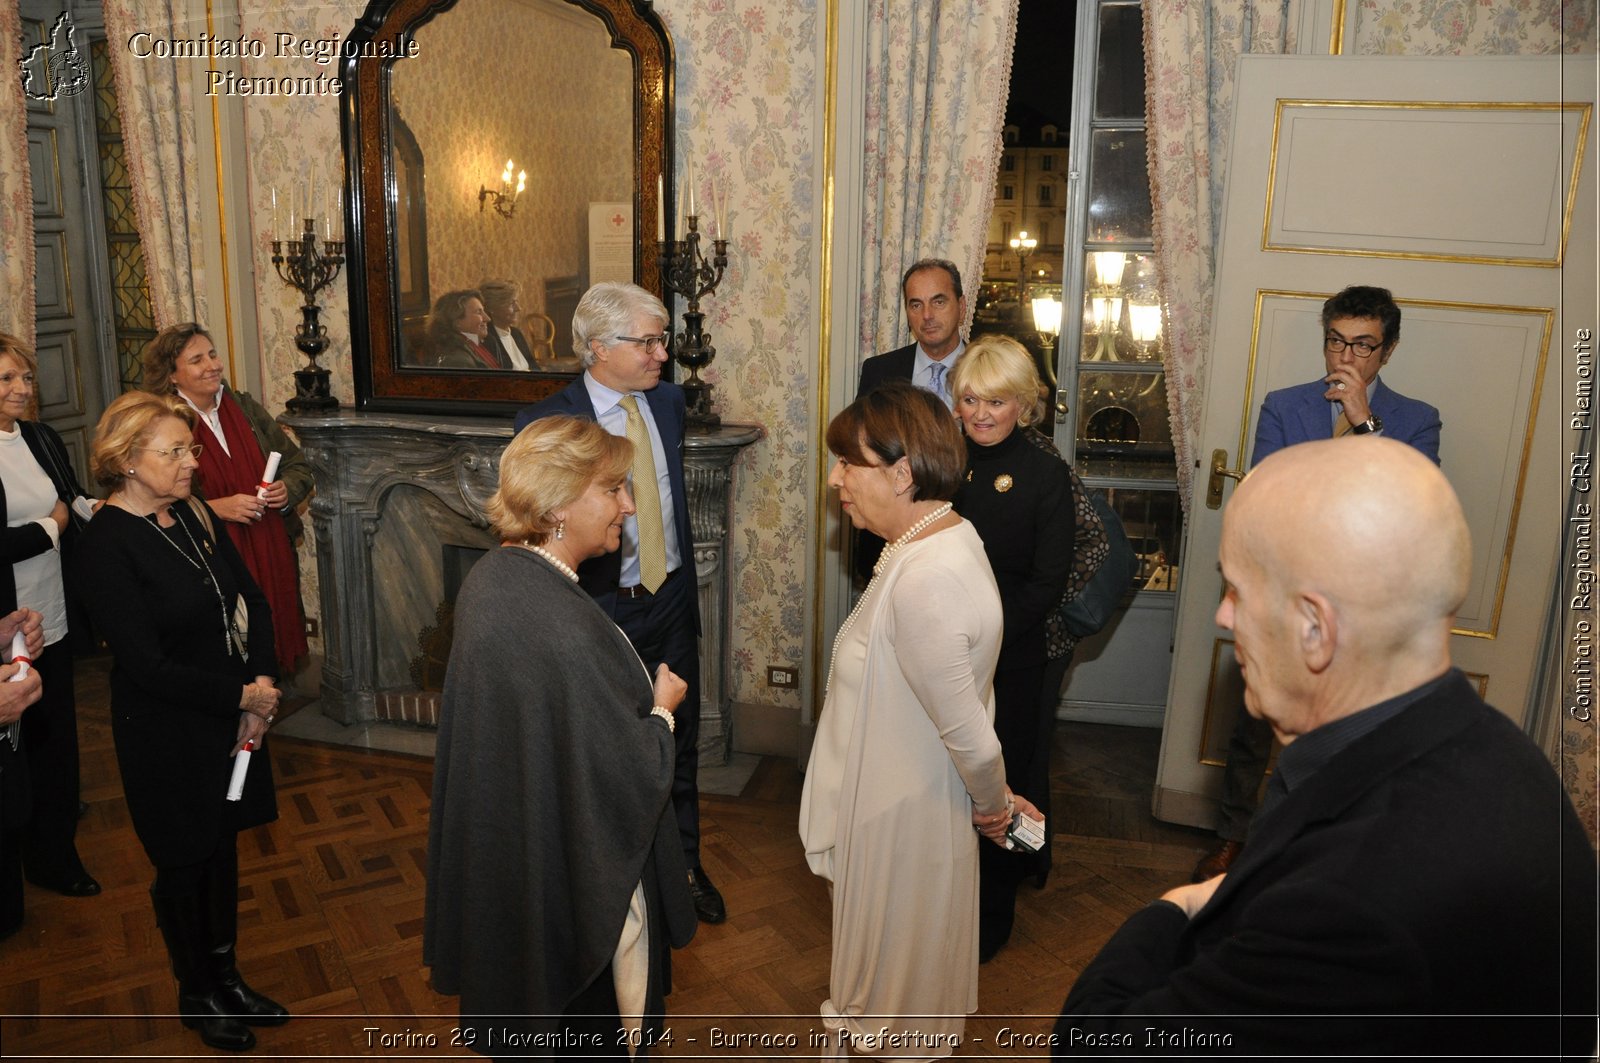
(578, 95)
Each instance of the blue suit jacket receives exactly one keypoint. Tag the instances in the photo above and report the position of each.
(1300, 414)
(600, 576)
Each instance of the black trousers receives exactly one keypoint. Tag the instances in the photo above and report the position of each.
(1249, 750)
(1017, 712)
(661, 627)
(50, 743)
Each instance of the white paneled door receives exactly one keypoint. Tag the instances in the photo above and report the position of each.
(1467, 187)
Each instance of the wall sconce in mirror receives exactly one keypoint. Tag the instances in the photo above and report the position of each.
(505, 199)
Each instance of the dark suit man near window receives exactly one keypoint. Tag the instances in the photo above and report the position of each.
(935, 309)
(648, 587)
(1360, 330)
(1416, 883)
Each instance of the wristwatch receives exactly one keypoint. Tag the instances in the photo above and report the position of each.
(1372, 424)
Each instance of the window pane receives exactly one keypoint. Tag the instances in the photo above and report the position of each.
(1153, 521)
(1119, 81)
(1123, 426)
(1119, 186)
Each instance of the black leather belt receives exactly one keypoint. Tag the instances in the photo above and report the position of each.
(638, 590)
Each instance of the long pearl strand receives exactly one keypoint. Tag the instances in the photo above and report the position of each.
(877, 570)
(561, 566)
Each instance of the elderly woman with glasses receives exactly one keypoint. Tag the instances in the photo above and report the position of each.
(192, 683)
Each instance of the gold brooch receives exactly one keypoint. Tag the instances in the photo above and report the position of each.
(969, 476)
(1003, 482)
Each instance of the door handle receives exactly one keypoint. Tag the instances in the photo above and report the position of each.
(1061, 407)
(1219, 469)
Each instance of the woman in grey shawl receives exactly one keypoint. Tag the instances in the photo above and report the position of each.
(556, 881)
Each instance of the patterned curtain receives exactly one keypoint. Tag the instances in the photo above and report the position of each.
(1191, 51)
(16, 186)
(158, 116)
(938, 73)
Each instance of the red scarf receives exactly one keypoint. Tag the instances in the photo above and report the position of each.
(264, 545)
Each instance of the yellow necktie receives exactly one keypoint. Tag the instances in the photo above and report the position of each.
(1341, 425)
(647, 499)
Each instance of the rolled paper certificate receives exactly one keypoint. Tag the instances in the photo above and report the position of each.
(269, 474)
(241, 764)
(19, 657)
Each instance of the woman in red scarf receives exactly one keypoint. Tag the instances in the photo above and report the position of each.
(237, 434)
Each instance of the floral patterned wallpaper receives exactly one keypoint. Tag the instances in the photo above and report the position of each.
(748, 77)
(494, 80)
(1474, 27)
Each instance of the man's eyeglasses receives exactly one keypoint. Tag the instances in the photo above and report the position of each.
(649, 343)
(176, 453)
(1334, 343)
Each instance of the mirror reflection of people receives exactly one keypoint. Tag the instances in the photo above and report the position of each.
(906, 763)
(1018, 496)
(1360, 330)
(1417, 884)
(649, 586)
(504, 339)
(39, 531)
(555, 736)
(236, 434)
(189, 687)
(456, 331)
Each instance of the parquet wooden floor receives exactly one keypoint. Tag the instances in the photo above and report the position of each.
(331, 895)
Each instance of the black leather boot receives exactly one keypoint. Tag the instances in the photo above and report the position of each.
(182, 919)
(222, 922)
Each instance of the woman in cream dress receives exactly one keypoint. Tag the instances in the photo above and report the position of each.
(906, 762)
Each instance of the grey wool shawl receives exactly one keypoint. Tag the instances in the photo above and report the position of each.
(551, 799)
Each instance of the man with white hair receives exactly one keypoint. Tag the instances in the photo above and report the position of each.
(648, 586)
(1417, 881)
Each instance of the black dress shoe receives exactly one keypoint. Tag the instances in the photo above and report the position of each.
(208, 1015)
(707, 901)
(83, 809)
(80, 885)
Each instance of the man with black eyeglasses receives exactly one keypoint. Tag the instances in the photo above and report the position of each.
(1360, 330)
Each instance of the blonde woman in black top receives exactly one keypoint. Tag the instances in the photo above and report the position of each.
(1018, 497)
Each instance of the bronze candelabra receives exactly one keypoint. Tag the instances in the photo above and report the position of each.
(309, 271)
(691, 274)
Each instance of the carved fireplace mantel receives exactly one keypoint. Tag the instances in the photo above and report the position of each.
(397, 520)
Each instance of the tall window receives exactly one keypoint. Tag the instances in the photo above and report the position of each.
(1122, 436)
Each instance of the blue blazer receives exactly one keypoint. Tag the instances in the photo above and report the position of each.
(600, 576)
(1300, 414)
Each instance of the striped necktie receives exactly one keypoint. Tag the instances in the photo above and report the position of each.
(647, 499)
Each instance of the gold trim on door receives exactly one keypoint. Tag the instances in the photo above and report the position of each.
(1585, 111)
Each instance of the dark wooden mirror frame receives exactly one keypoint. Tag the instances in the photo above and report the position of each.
(381, 383)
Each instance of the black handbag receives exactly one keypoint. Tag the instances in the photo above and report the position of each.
(1092, 609)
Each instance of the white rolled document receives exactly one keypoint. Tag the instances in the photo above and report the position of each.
(269, 474)
(19, 657)
(241, 764)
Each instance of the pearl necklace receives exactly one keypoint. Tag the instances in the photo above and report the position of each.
(561, 566)
(877, 570)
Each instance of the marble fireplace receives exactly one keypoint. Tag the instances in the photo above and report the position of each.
(398, 520)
